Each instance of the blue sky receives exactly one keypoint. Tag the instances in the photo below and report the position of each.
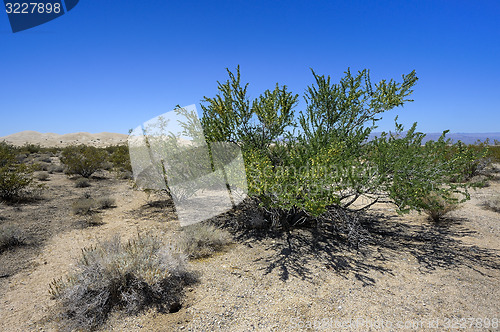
(111, 65)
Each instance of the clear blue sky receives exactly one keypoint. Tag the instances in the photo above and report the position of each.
(110, 65)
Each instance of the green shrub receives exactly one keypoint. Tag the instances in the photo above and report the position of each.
(469, 160)
(11, 236)
(8, 154)
(132, 276)
(83, 160)
(202, 240)
(330, 168)
(17, 182)
(119, 157)
(494, 153)
(30, 148)
(16, 179)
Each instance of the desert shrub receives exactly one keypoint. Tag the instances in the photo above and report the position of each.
(11, 236)
(329, 168)
(17, 182)
(436, 207)
(7, 154)
(91, 220)
(45, 158)
(42, 176)
(470, 160)
(83, 160)
(41, 166)
(420, 176)
(55, 169)
(125, 175)
(82, 183)
(494, 153)
(105, 202)
(202, 240)
(493, 203)
(21, 157)
(84, 206)
(140, 273)
(30, 148)
(119, 157)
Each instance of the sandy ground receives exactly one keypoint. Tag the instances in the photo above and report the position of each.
(412, 275)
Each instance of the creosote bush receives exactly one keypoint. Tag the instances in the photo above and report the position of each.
(133, 275)
(202, 240)
(119, 157)
(83, 160)
(16, 179)
(322, 165)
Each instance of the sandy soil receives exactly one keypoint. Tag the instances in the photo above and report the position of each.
(411, 272)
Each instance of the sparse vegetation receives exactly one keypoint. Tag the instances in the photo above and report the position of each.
(11, 236)
(82, 183)
(140, 273)
(493, 203)
(106, 202)
(84, 206)
(87, 205)
(42, 176)
(436, 207)
(83, 160)
(202, 240)
(92, 220)
(494, 152)
(55, 169)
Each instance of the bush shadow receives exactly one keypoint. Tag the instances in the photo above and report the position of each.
(299, 252)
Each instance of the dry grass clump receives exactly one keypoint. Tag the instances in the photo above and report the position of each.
(82, 183)
(42, 176)
(493, 204)
(131, 276)
(106, 203)
(84, 206)
(436, 207)
(202, 240)
(92, 220)
(11, 236)
(87, 205)
(55, 169)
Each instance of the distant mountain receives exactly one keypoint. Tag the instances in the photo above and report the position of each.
(51, 139)
(467, 138)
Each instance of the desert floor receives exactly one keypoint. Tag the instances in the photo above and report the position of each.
(411, 275)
